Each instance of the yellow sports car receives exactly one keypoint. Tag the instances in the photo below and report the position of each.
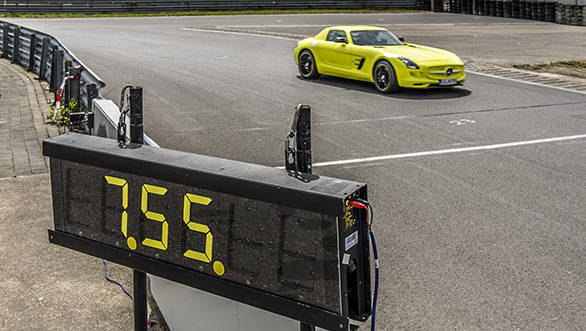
(375, 55)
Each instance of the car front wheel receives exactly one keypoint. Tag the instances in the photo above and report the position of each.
(307, 65)
(385, 79)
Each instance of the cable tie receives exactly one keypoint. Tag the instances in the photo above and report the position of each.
(362, 201)
(357, 204)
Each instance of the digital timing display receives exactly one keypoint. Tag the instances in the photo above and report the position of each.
(283, 241)
(278, 249)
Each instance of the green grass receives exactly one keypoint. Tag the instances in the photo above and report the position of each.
(574, 64)
(570, 64)
(210, 13)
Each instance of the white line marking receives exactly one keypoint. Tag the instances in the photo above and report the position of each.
(315, 124)
(524, 81)
(462, 121)
(240, 33)
(249, 129)
(327, 25)
(366, 120)
(273, 26)
(363, 165)
(448, 151)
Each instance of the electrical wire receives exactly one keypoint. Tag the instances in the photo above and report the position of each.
(371, 216)
(376, 276)
(363, 204)
(376, 267)
(115, 282)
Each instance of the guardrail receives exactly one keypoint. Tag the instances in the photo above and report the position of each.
(146, 6)
(45, 56)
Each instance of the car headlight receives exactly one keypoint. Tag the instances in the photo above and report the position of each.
(410, 64)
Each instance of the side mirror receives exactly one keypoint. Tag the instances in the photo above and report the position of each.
(401, 39)
(341, 40)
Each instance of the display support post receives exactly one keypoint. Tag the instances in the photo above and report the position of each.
(298, 154)
(139, 277)
(140, 301)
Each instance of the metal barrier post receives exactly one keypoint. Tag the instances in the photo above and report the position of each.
(73, 84)
(31, 55)
(44, 58)
(65, 94)
(139, 277)
(5, 29)
(16, 46)
(91, 92)
(57, 71)
(52, 79)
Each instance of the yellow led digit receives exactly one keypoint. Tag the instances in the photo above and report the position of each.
(197, 227)
(193, 226)
(130, 241)
(160, 244)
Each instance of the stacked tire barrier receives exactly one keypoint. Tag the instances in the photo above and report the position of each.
(544, 11)
(149, 6)
(570, 14)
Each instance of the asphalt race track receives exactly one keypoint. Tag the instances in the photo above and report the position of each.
(479, 192)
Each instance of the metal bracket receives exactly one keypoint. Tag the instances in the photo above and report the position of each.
(298, 141)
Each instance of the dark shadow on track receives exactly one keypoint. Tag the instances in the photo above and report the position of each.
(404, 93)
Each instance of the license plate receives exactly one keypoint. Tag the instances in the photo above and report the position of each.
(448, 82)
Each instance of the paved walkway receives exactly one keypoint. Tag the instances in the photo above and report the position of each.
(44, 286)
(47, 287)
(23, 102)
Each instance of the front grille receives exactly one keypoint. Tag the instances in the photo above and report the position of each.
(441, 72)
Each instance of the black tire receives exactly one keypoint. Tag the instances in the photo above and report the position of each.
(307, 66)
(385, 79)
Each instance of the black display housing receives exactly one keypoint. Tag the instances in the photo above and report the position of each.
(341, 237)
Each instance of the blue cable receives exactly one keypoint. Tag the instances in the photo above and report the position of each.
(115, 282)
(375, 253)
(376, 268)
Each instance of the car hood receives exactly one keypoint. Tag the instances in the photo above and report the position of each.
(419, 54)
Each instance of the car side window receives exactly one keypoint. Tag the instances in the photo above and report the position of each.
(335, 33)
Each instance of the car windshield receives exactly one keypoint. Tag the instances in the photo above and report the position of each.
(374, 38)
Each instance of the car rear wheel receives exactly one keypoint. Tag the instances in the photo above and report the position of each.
(385, 79)
(307, 65)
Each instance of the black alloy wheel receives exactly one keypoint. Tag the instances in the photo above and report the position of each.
(384, 77)
(307, 65)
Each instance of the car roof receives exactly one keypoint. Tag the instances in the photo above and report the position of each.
(355, 27)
